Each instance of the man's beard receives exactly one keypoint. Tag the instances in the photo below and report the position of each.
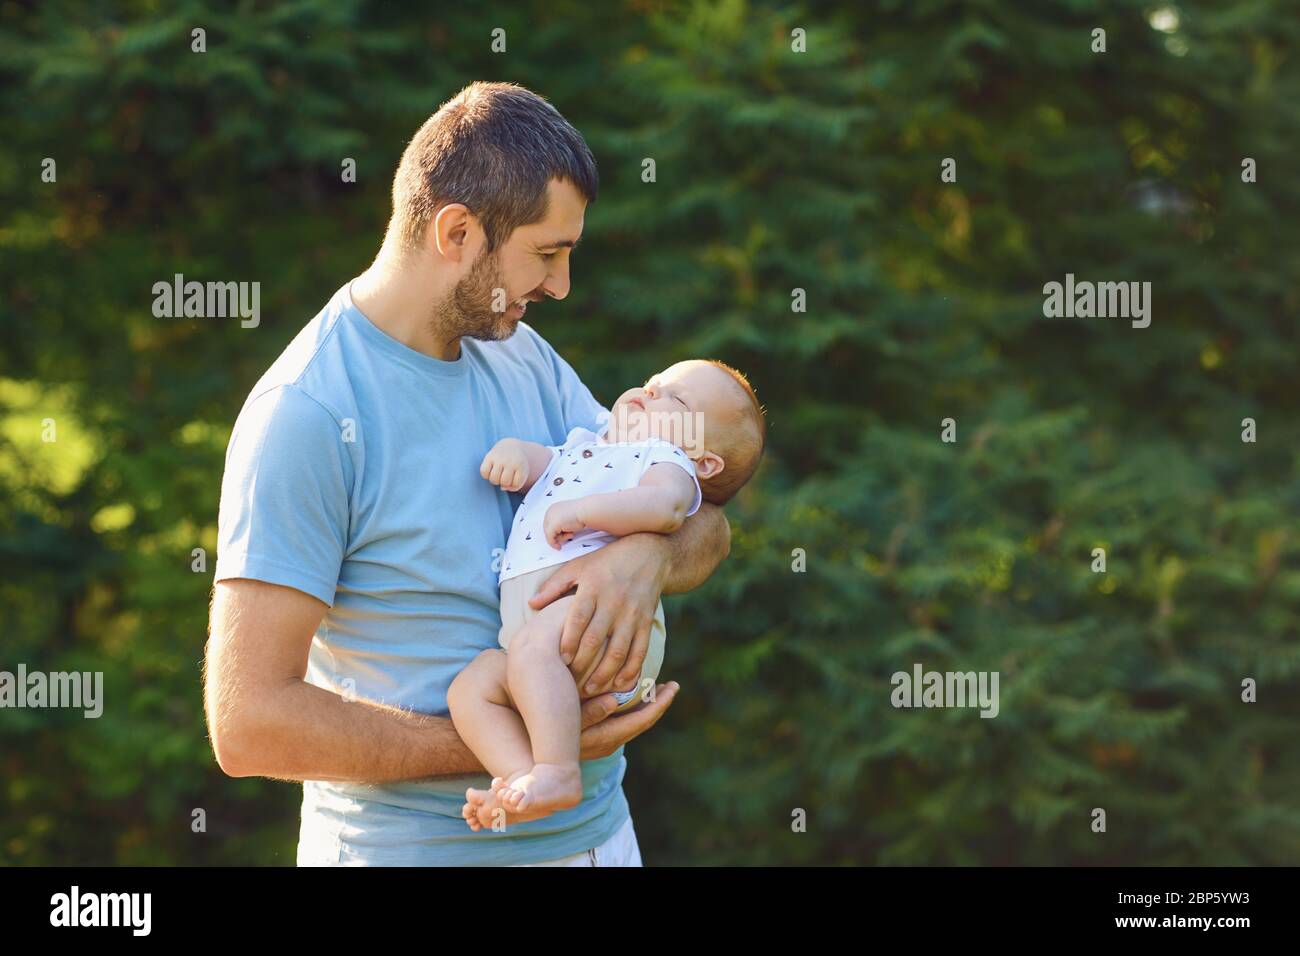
(468, 309)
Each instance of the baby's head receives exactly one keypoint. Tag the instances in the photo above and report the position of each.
(705, 408)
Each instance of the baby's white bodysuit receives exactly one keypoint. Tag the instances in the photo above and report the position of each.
(582, 466)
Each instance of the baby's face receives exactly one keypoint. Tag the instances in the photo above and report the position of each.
(681, 404)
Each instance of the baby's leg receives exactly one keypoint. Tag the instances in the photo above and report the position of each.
(543, 690)
(483, 715)
(485, 718)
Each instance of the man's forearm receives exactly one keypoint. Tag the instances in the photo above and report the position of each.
(303, 732)
(696, 549)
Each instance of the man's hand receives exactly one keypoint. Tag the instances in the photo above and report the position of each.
(618, 589)
(506, 465)
(602, 734)
(561, 523)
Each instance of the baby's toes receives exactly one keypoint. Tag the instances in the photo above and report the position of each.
(470, 813)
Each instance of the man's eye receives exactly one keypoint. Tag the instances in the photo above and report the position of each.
(682, 400)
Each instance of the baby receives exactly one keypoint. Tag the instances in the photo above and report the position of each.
(694, 432)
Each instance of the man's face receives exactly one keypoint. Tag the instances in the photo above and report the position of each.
(531, 265)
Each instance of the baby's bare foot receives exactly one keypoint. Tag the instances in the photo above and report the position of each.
(470, 812)
(476, 800)
(473, 800)
(543, 790)
(487, 808)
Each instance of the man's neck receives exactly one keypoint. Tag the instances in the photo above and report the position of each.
(397, 298)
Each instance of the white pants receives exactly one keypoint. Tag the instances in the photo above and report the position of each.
(619, 850)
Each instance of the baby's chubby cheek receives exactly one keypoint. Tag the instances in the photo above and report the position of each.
(675, 426)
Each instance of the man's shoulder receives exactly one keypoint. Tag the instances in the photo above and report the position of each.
(310, 370)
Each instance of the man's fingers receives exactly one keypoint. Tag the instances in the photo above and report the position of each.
(598, 628)
(636, 655)
(617, 656)
(637, 721)
(602, 736)
(596, 709)
(652, 710)
(574, 626)
(556, 586)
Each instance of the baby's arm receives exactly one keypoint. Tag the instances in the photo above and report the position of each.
(659, 504)
(514, 464)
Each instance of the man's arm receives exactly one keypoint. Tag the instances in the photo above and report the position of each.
(693, 552)
(265, 720)
(618, 588)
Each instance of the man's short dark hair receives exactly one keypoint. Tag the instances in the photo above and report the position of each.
(493, 147)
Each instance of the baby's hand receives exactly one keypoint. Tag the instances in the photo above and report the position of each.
(506, 465)
(562, 523)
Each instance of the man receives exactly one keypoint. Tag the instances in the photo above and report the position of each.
(356, 567)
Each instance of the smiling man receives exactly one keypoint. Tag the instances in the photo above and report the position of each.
(357, 541)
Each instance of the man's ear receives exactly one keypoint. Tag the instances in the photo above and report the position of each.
(709, 465)
(453, 231)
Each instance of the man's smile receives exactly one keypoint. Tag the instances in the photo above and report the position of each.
(521, 305)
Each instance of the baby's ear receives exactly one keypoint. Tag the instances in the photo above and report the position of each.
(709, 465)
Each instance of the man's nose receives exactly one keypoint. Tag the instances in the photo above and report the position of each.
(557, 282)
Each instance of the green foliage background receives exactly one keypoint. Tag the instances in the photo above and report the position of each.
(775, 170)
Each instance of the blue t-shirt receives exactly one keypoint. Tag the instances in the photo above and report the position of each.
(352, 475)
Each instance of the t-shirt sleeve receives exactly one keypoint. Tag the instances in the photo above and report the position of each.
(284, 496)
(662, 451)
